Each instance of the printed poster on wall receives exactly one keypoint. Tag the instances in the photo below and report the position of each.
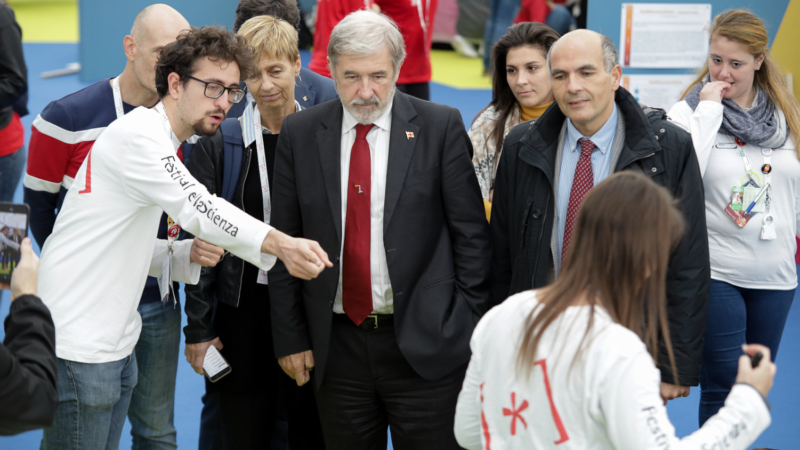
(657, 91)
(664, 35)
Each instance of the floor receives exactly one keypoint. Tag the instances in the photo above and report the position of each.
(469, 99)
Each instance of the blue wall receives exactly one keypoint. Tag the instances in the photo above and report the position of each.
(104, 23)
(604, 17)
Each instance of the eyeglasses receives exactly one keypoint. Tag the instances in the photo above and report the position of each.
(215, 90)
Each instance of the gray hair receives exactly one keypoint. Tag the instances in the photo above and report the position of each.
(610, 54)
(364, 33)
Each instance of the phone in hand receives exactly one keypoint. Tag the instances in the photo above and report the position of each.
(14, 220)
(215, 365)
(756, 359)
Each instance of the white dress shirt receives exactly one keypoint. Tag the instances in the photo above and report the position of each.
(378, 139)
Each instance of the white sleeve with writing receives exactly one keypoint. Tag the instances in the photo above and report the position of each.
(183, 269)
(637, 418)
(153, 175)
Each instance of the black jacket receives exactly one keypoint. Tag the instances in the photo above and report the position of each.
(224, 281)
(13, 73)
(28, 368)
(435, 233)
(523, 217)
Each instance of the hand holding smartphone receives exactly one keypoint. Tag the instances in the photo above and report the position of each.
(215, 365)
(13, 229)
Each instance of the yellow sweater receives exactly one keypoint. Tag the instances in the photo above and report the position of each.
(533, 112)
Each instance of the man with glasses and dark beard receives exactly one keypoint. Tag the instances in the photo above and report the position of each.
(62, 136)
(103, 245)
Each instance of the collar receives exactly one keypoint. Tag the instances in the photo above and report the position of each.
(247, 117)
(603, 139)
(162, 111)
(383, 122)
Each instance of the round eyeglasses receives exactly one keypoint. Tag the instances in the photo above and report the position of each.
(215, 90)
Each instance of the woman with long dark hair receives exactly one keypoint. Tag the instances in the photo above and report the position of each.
(520, 92)
(573, 363)
(744, 122)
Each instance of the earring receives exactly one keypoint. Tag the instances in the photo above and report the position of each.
(301, 81)
(758, 68)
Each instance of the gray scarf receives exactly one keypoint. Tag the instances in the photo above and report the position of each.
(762, 124)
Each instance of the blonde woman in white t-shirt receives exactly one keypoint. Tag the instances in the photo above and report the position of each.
(744, 122)
(568, 366)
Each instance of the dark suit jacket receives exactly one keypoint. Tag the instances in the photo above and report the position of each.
(313, 90)
(435, 233)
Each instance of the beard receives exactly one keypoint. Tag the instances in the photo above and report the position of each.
(369, 116)
(202, 128)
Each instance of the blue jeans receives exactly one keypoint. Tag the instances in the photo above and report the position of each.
(93, 400)
(501, 16)
(737, 316)
(153, 402)
(10, 172)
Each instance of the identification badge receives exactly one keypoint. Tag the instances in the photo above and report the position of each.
(750, 194)
(768, 228)
(173, 231)
(736, 198)
(262, 277)
(735, 209)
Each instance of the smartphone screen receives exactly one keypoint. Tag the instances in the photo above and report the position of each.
(215, 365)
(13, 228)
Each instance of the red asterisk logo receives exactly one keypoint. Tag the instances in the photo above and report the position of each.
(516, 413)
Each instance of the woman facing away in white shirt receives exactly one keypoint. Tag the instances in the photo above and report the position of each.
(568, 367)
(744, 122)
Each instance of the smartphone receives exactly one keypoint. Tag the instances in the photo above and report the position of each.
(13, 228)
(215, 365)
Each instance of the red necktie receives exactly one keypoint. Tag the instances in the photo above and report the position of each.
(356, 280)
(583, 181)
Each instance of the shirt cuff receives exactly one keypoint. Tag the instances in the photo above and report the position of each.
(755, 391)
(267, 260)
(183, 269)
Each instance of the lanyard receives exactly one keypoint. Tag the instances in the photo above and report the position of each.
(162, 110)
(766, 169)
(173, 230)
(251, 131)
(117, 97)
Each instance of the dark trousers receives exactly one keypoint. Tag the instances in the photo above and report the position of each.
(369, 387)
(737, 316)
(296, 428)
(419, 90)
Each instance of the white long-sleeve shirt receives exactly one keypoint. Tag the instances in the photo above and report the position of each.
(94, 265)
(378, 140)
(738, 255)
(609, 399)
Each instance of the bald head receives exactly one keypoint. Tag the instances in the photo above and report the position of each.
(586, 40)
(158, 22)
(154, 28)
(584, 76)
